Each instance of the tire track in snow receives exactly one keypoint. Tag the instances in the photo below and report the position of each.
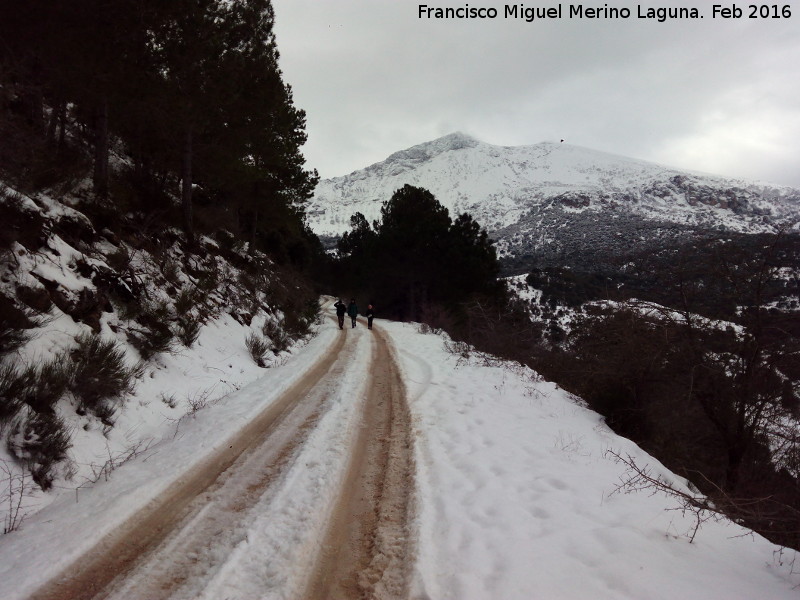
(369, 547)
(120, 553)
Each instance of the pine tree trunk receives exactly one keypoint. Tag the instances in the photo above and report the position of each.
(62, 127)
(186, 188)
(52, 124)
(57, 125)
(100, 178)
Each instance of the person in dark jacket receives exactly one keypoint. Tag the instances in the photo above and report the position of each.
(352, 310)
(340, 310)
(370, 315)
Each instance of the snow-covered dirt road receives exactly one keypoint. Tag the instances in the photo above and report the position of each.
(378, 465)
(189, 542)
(368, 551)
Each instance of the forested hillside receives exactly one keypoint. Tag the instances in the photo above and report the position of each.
(151, 189)
(151, 94)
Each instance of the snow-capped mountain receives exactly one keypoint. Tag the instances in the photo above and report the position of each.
(526, 195)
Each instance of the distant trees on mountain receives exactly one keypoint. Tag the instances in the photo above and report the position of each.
(416, 260)
(187, 91)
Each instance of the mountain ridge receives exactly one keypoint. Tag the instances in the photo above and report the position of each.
(512, 190)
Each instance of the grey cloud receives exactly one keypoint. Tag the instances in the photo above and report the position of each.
(712, 95)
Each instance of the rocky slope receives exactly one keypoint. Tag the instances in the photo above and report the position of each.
(113, 331)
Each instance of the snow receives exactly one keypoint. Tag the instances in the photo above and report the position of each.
(516, 498)
(514, 487)
(500, 185)
(76, 519)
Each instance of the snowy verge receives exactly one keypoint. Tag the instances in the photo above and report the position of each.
(516, 498)
(76, 519)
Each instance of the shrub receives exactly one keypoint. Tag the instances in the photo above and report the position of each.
(41, 441)
(12, 386)
(11, 338)
(47, 383)
(18, 487)
(209, 280)
(152, 341)
(257, 346)
(105, 410)
(156, 311)
(295, 326)
(170, 400)
(298, 322)
(13, 323)
(128, 311)
(38, 387)
(278, 336)
(460, 348)
(145, 312)
(248, 282)
(188, 330)
(157, 336)
(171, 271)
(185, 300)
(99, 372)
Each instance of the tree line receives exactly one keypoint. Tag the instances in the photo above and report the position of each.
(189, 92)
(416, 263)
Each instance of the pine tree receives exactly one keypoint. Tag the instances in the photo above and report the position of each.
(263, 120)
(416, 258)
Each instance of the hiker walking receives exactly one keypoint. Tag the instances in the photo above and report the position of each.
(340, 310)
(352, 310)
(370, 316)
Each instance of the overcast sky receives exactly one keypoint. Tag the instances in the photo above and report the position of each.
(715, 95)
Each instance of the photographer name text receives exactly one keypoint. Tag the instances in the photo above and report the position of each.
(661, 14)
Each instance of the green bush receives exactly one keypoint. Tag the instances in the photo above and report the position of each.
(188, 329)
(105, 410)
(156, 337)
(185, 300)
(12, 385)
(47, 383)
(152, 341)
(278, 336)
(257, 346)
(298, 322)
(38, 387)
(209, 280)
(100, 372)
